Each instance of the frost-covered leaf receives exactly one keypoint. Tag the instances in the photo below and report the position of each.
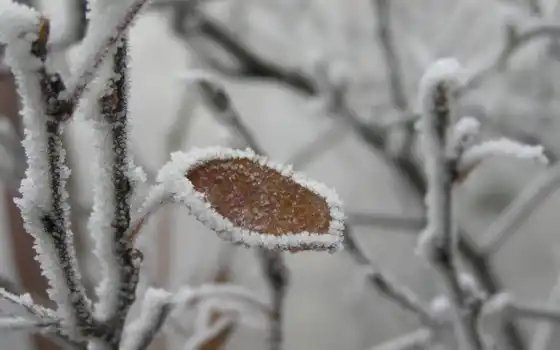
(247, 199)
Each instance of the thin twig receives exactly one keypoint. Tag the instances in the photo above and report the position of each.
(419, 339)
(111, 219)
(397, 293)
(387, 221)
(543, 334)
(439, 241)
(507, 224)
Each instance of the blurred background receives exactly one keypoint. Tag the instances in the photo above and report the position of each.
(329, 86)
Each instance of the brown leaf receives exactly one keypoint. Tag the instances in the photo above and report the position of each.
(247, 199)
(258, 198)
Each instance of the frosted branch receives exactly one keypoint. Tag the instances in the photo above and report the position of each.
(158, 305)
(25, 303)
(113, 188)
(501, 147)
(44, 197)
(9, 324)
(520, 209)
(439, 241)
(110, 21)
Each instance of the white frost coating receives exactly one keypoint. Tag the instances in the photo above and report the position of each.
(35, 188)
(500, 147)
(445, 70)
(172, 177)
(10, 324)
(17, 21)
(102, 216)
(157, 196)
(443, 73)
(24, 303)
(108, 19)
(154, 304)
(155, 300)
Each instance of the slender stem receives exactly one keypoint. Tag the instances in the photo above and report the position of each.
(400, 295)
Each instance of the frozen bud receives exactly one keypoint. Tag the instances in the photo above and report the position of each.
(247, 199)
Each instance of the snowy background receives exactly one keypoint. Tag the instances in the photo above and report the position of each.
(330, 305)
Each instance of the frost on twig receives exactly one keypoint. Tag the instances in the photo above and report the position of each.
(10, 324)
(113, 188)
(501, 147)
(438, 242)
(110, 21)
(44, 201)
(156, 306)
(247, 199)
(451, 152)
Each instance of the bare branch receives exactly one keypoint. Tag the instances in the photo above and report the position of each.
(507, 224)
(387, 221)
(393, 291)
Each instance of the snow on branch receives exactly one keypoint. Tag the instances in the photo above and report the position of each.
(109, 22)
(9, 324)
(44, 197)
(158, 305)
(438, 242)
(113, 188)
(247, 199)
(501, 147)
(25, 303)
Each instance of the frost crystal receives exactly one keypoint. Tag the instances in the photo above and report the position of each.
(247, 199)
